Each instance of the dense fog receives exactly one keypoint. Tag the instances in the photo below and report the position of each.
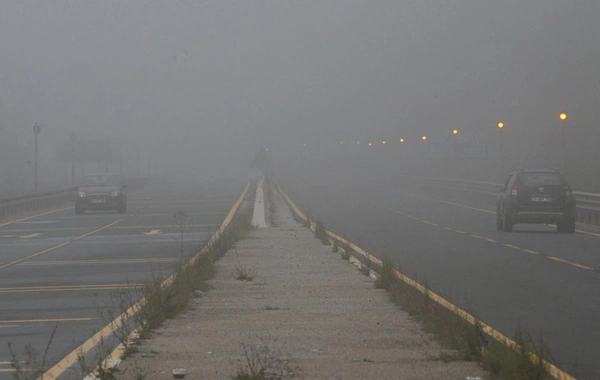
(195, 88)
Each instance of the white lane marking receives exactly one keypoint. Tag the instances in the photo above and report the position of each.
(29, 236)
(21, 236)
(153, 232)
(38, 221)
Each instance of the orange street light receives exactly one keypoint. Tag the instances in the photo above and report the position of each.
(358, 143)
(370, 144)
(401, 140)
(500, 125)
(383, 142)
(563, 116)
(455, 132)
(424, 138)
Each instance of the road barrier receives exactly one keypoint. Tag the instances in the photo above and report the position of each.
(588, 204)
(36, 201)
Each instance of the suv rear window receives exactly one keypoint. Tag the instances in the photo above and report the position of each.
(541, 179)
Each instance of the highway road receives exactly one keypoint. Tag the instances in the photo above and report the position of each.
(547, 283)
(60, 269)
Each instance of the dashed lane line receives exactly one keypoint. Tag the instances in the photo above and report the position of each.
(486, 211)
(570, 263)
(492, 241)
(51, 320)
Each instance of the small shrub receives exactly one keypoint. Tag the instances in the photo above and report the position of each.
(386, 278)
(335, 247)
(364, 269)
(243, 273)
(261, 363)
(345, 254)
(506, 363)
(320, 233)
(30, 369)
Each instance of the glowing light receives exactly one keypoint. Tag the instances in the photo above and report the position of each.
(563, 116)
(424, 138)
(455, 131)
(383, 142)
(500, 125)
(401, 140)
(370, 144)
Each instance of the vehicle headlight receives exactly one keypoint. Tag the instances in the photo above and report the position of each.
(81, 194)
(115, 193)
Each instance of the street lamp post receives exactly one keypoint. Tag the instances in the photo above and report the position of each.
(563, 141)
(500, 126)
(73, 140)
(36, 131)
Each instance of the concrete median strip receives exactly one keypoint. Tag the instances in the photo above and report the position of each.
(305, 311)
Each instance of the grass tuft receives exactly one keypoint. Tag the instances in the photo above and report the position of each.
(30, 368)
(262, 363)
(505, 363)
(386, 277)
(243, 273)
(320, 232)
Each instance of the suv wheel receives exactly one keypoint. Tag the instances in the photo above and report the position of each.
(499, 224)
(566, 227)
(507, 225)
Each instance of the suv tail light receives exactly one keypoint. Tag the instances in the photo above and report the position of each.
(568, 191)
(514, 191)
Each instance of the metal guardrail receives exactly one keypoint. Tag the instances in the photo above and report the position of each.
(588, 204)
(36, 201)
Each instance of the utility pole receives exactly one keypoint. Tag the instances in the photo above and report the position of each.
(73, 151)
(121, 159)
(137, 163)
(36, 131)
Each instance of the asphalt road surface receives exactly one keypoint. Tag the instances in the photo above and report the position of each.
(60, 269)
(548, 283)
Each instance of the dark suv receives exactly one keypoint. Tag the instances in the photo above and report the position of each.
(536, 197)
(101, 192)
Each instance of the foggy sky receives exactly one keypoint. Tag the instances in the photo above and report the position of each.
(208, 79)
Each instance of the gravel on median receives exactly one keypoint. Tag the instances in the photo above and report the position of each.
(306, 312)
